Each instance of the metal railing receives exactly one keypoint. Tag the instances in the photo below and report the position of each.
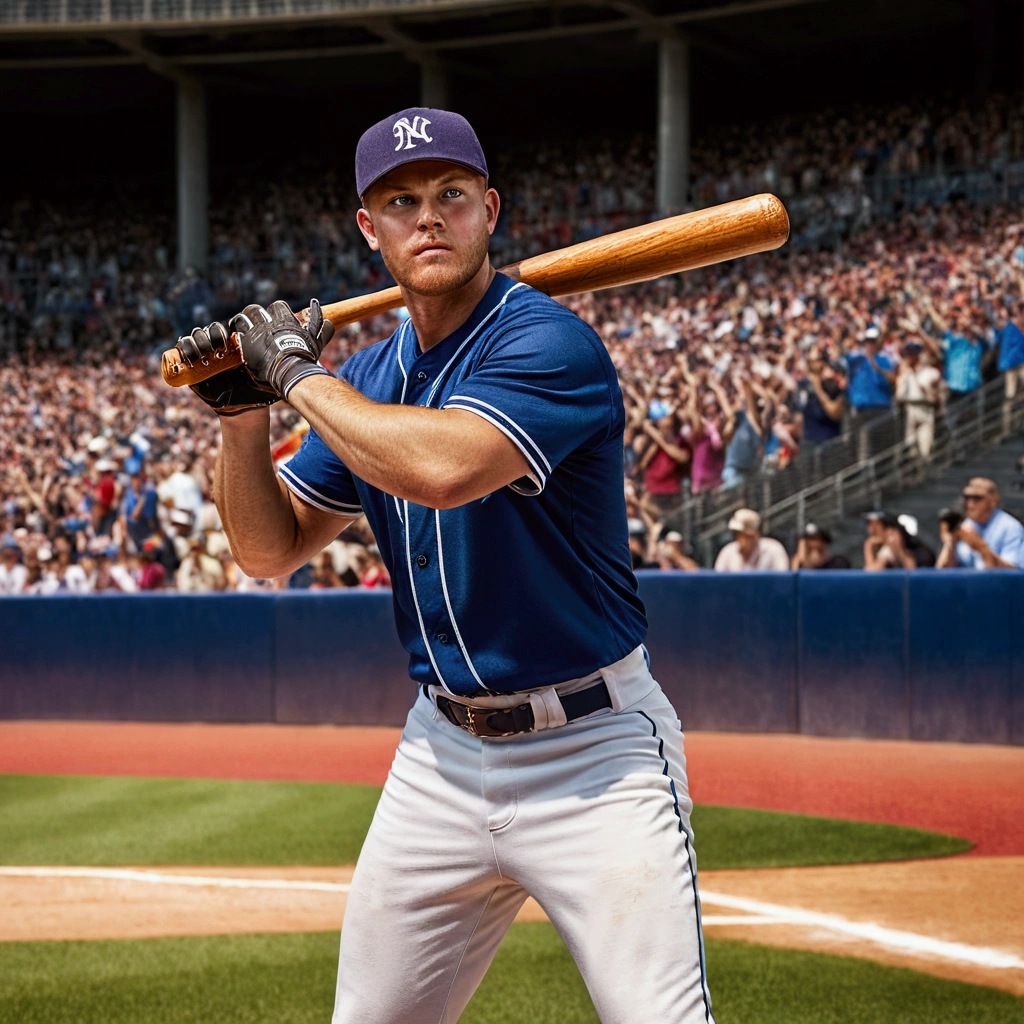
(138, 12)
(825, 483)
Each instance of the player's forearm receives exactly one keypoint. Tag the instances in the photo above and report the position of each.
(257, 515)
(412, 452)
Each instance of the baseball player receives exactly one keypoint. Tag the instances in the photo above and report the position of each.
(483, 441)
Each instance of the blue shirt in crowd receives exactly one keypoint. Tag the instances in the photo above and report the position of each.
(744, 450)
(533, 584)
(1010, 340)
(1002, 533)
(868, 387)
(963, 362)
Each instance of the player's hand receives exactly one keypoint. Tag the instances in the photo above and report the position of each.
(232, 391)
(276, 348)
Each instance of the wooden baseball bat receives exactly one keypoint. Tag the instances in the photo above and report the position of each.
(691, 240)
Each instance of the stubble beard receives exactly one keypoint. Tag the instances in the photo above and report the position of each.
(442, 278)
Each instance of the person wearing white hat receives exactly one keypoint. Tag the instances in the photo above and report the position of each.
(748, 551)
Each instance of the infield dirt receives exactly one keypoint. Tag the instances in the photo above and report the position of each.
(975, 901)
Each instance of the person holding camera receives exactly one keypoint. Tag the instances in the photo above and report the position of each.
(986, 537)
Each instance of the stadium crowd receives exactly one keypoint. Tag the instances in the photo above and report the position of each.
(105, 481)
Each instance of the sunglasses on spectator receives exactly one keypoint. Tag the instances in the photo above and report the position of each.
(973, 497)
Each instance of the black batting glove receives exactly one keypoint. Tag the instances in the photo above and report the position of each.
(279, 350)
(232, 391)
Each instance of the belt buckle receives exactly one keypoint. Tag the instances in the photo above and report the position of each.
(474, 720)
(484, 714)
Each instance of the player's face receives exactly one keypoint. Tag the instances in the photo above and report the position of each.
(431, 222)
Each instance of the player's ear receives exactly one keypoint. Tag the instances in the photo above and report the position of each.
(365, 222)
(492, 203)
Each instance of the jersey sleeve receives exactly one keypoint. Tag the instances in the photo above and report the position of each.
(545, 386)
(321, 479)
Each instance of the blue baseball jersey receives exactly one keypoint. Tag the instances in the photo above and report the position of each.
(531, 585)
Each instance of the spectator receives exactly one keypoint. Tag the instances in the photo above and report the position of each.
(883, 547)
(152, 576)
(1010, 340)
(374, 573)
(664, 463)
(963, 348)
(872, 378)
(672, 554)
(104, 497)
(917, 391)
(200, 572)
(743, 455)
(988, 538)
(324, 576)
(139, 508)
(748, 551)
(706, 435)
(13, 573)
(814, 550)
(924, 557)
(819, 399)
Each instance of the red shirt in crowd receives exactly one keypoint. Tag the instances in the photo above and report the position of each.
(103, 491)
(664, 475)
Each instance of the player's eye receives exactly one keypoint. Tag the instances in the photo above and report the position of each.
(403, 200)
(451, 193)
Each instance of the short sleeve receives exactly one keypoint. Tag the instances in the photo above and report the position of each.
(546, 387)
(321, 479)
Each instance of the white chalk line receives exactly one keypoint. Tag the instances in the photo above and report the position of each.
(162, 878)
(755, 912)
(890, 938)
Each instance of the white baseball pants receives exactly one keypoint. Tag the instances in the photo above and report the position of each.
(591, 818)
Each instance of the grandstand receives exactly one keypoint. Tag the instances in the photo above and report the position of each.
(903, 192)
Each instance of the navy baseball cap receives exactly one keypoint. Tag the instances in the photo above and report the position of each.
(416, 133)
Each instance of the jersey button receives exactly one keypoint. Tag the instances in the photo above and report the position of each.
(421, 376)
(421, 561)
(441, 638)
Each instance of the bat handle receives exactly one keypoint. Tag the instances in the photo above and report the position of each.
(178, 372)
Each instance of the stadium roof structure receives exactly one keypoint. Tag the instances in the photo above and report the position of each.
(187, 35)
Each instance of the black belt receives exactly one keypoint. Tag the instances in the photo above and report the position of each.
(480, 721)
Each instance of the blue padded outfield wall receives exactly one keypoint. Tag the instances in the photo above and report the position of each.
(922, 655)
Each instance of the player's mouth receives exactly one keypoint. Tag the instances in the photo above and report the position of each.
(431, 249)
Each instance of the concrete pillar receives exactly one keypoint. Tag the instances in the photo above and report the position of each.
(193, 186)
(673, 174)
(435, 84)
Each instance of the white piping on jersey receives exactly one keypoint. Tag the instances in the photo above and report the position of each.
(401, 401)
(299, 486)
(472, 334)
(448, 603)
(416, 602)
(537, 476)
(504, 416)
(401, 365)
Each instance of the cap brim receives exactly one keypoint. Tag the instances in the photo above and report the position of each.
(416, 158)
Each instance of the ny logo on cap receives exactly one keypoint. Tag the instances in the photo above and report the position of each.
(405, 132)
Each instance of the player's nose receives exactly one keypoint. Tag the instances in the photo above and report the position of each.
(430, 217)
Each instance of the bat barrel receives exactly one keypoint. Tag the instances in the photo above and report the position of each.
(670, 246)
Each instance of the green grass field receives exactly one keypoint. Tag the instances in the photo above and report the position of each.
(116, 821)
(289, 979)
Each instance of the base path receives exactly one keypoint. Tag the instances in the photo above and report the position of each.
(956, 918)
(966, 790)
